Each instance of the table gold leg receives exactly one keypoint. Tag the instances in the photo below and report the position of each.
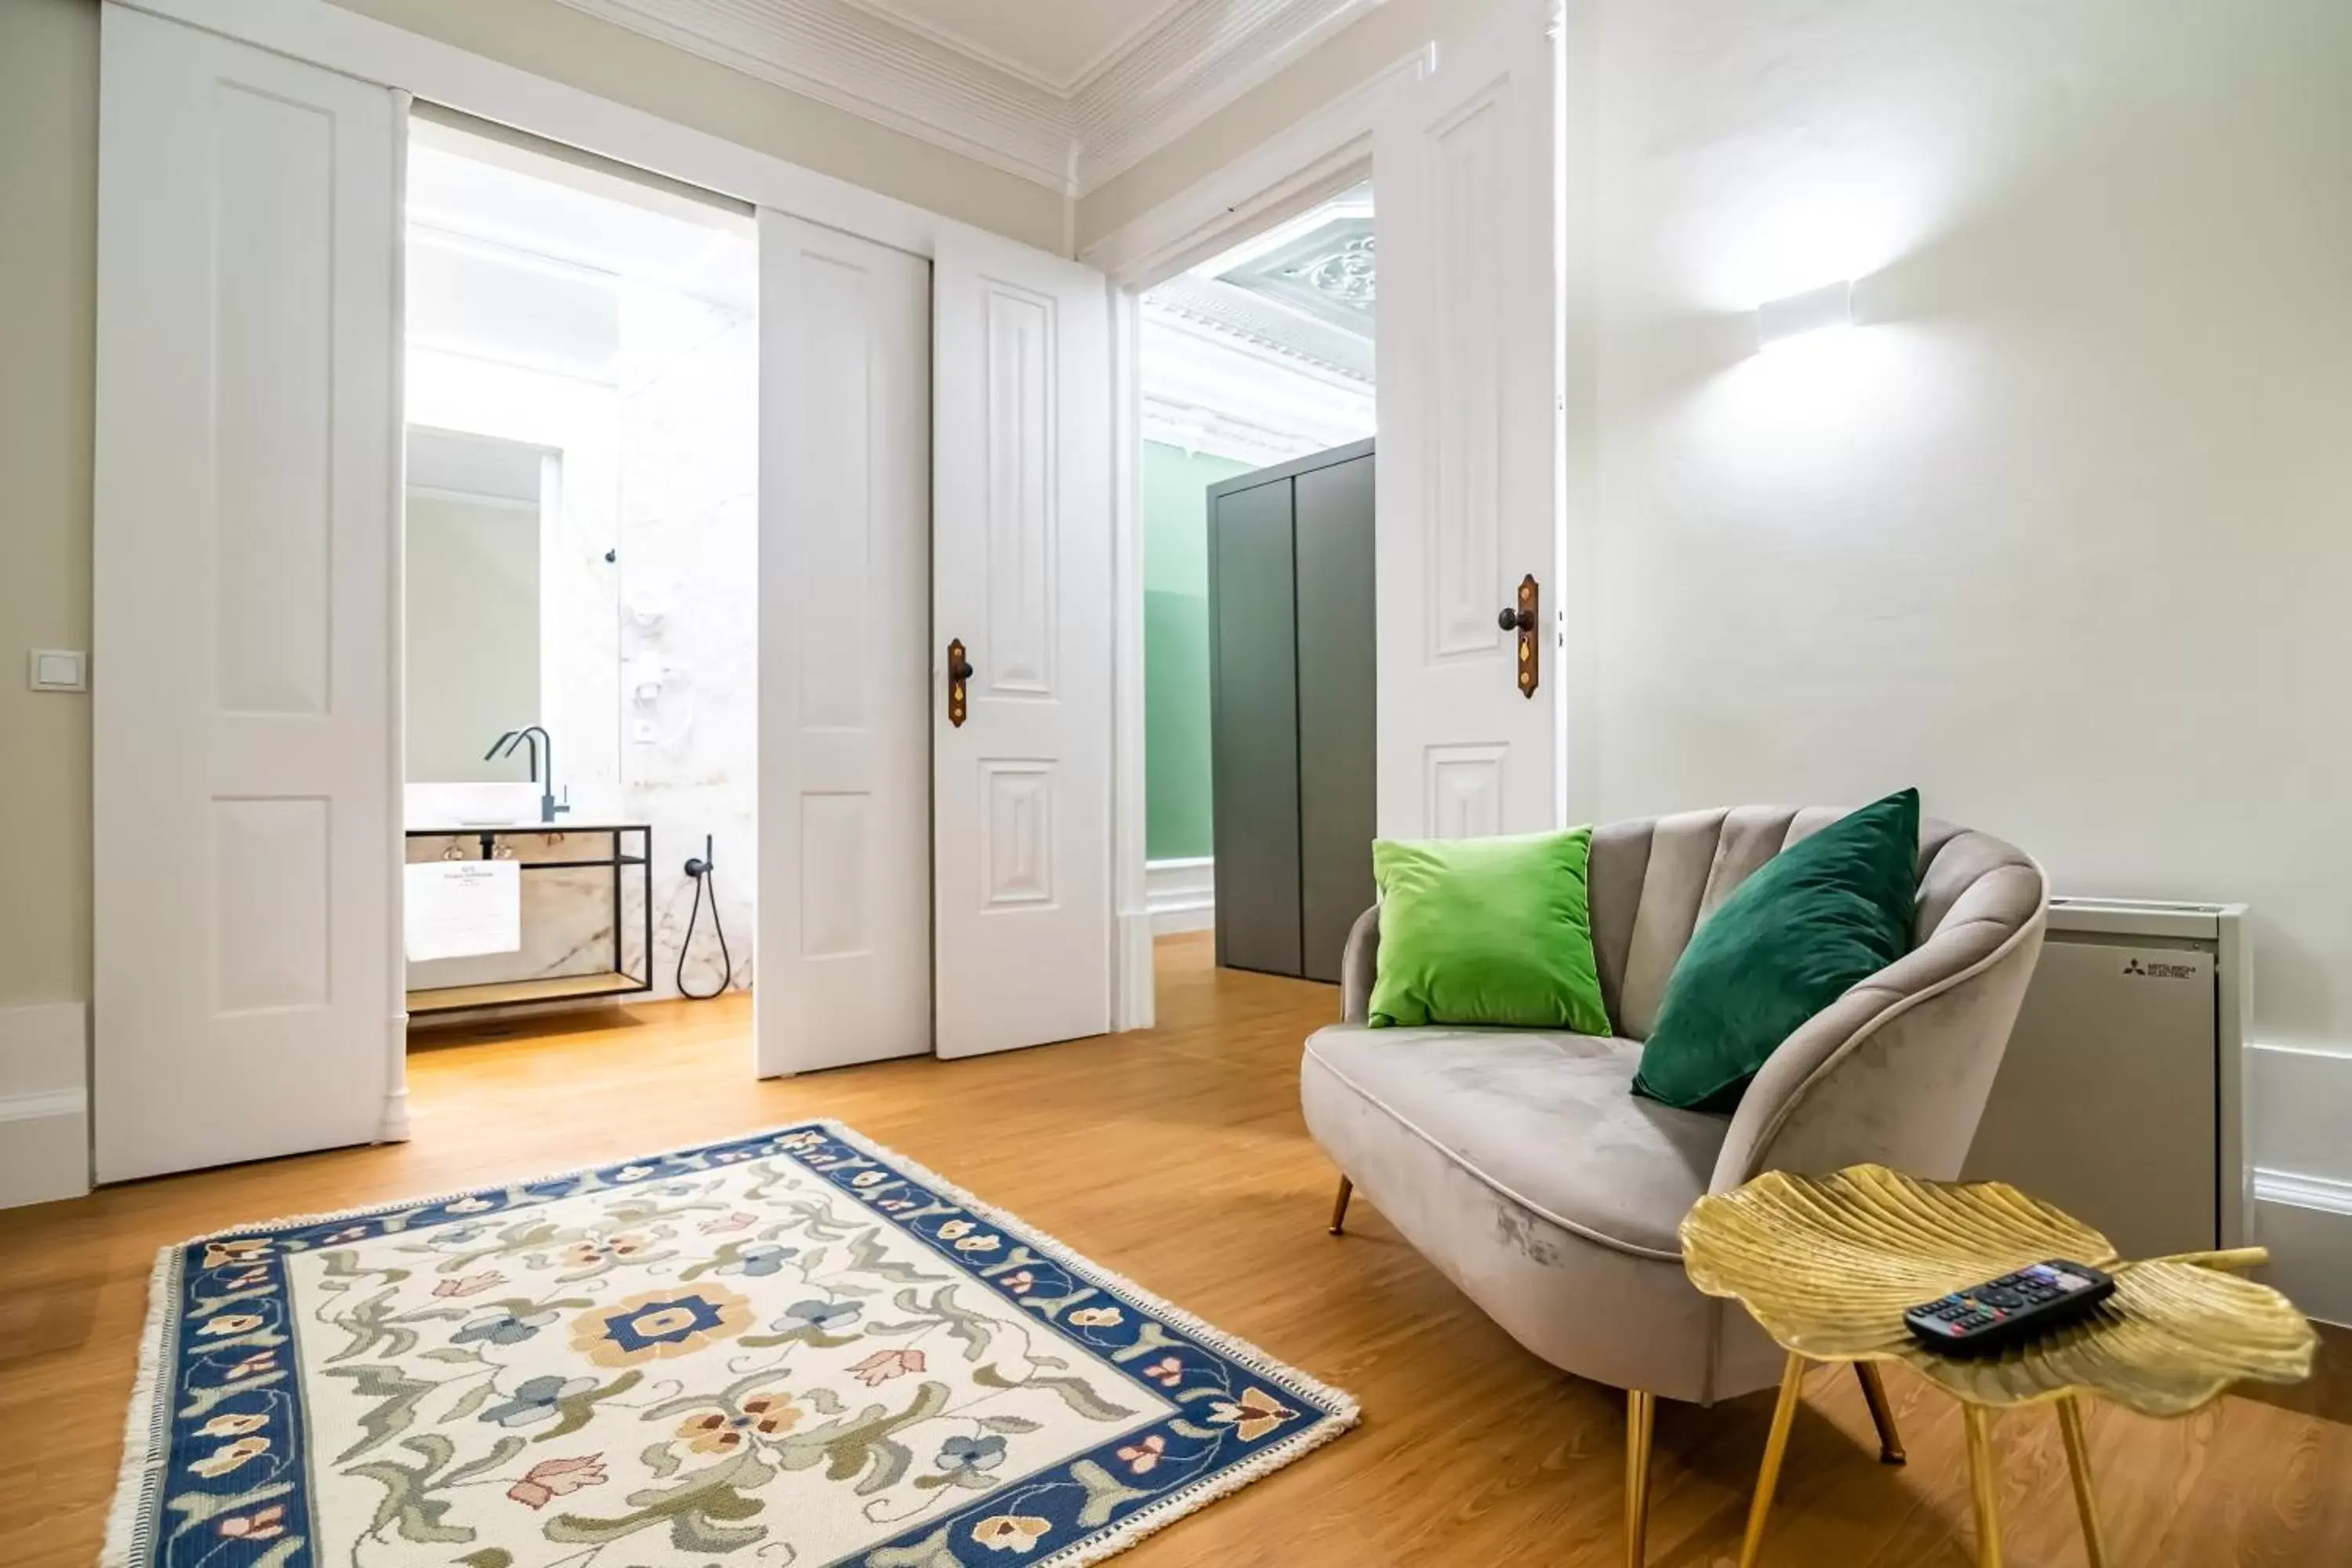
(1775, 1446)
(2078, 1464)
(1984, 1483)
(1882, 1415)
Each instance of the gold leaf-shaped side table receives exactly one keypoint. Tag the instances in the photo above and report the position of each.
(1828, 1265)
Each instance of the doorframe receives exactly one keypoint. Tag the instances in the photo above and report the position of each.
(1315, 158)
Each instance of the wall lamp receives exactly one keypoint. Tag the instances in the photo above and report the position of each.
(1821, 310)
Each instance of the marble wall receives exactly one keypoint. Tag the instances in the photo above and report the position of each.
(689, 620)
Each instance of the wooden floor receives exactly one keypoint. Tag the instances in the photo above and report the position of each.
(1177, 1157)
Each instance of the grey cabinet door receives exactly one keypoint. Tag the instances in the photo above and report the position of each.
(1254, 682)
(1337, 760)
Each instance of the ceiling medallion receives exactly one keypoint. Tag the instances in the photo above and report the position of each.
(1347, 274)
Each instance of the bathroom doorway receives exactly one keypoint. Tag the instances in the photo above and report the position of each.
(581, 615)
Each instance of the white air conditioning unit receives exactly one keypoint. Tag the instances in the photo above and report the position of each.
(2121, 1098)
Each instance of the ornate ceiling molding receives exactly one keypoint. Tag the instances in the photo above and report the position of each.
(1302, 293)
(873, 60)
(1208, 394)
(1264, 353)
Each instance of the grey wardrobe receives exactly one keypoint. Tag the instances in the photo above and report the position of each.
(1290, 693)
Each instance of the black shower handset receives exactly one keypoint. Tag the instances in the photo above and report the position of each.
(698, 869)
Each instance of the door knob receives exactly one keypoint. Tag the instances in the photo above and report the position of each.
(1520, 617)
(960, 671)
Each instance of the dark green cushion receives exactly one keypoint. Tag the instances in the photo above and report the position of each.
(1817, 918)
(1486, 930)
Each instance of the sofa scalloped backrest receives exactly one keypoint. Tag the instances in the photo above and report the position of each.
(1896, 1070)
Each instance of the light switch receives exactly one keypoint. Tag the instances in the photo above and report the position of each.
(57, 670)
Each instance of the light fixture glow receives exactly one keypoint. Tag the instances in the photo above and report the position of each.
(1815, 311)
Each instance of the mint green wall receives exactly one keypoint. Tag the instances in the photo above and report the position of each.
(1176, 648)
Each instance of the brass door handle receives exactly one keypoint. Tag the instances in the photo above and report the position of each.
(1521, 618)
(959, 672)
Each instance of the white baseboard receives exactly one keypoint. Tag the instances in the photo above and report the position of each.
(44, 1103)
(2298, 1097)
(1136, 999)
(2306, 1222)
(1181, 894)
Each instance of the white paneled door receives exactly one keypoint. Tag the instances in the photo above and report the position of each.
(1021, 647)
(1470, 430)
(844, 604)
(246, 572)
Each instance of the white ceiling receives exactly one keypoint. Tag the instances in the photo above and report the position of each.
(1053, 42)
(1068, 93)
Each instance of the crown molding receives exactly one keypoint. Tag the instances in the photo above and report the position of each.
(869, 57)
(1209, 391)
(1061, 87)
(1202, 57)
(864, 63)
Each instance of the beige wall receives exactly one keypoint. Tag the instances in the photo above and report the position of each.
(1344, 61)
(48, 189)
(49, 164)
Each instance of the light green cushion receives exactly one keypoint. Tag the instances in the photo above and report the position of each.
(1819, 918)
(1486, 930)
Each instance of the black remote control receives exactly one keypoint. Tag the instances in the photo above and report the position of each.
(2017, 1306)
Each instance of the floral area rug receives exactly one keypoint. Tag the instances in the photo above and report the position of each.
(786, 1351)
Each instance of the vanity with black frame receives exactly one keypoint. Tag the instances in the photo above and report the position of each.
(630, 847)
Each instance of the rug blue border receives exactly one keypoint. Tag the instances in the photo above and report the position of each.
(201, 1373)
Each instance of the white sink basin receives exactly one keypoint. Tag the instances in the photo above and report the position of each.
(470, 805)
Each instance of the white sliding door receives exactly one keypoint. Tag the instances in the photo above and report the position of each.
(246, 572)
(845, 608)
(1471, 429)
(1021, 580)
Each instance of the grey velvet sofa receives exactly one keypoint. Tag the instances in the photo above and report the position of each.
(1522, 1165)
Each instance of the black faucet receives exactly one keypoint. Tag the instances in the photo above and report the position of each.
(548, 806)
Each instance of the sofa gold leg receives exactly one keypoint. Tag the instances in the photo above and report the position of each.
(1882, 1415)
(1339, 1206)
(1641, 1416)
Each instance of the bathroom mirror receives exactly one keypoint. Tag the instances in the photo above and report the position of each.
(475, 505)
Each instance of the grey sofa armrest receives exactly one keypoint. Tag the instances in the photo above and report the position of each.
(1896, 1071)
(1358, 965)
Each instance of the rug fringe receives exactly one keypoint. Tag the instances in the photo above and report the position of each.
(146, 1430)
